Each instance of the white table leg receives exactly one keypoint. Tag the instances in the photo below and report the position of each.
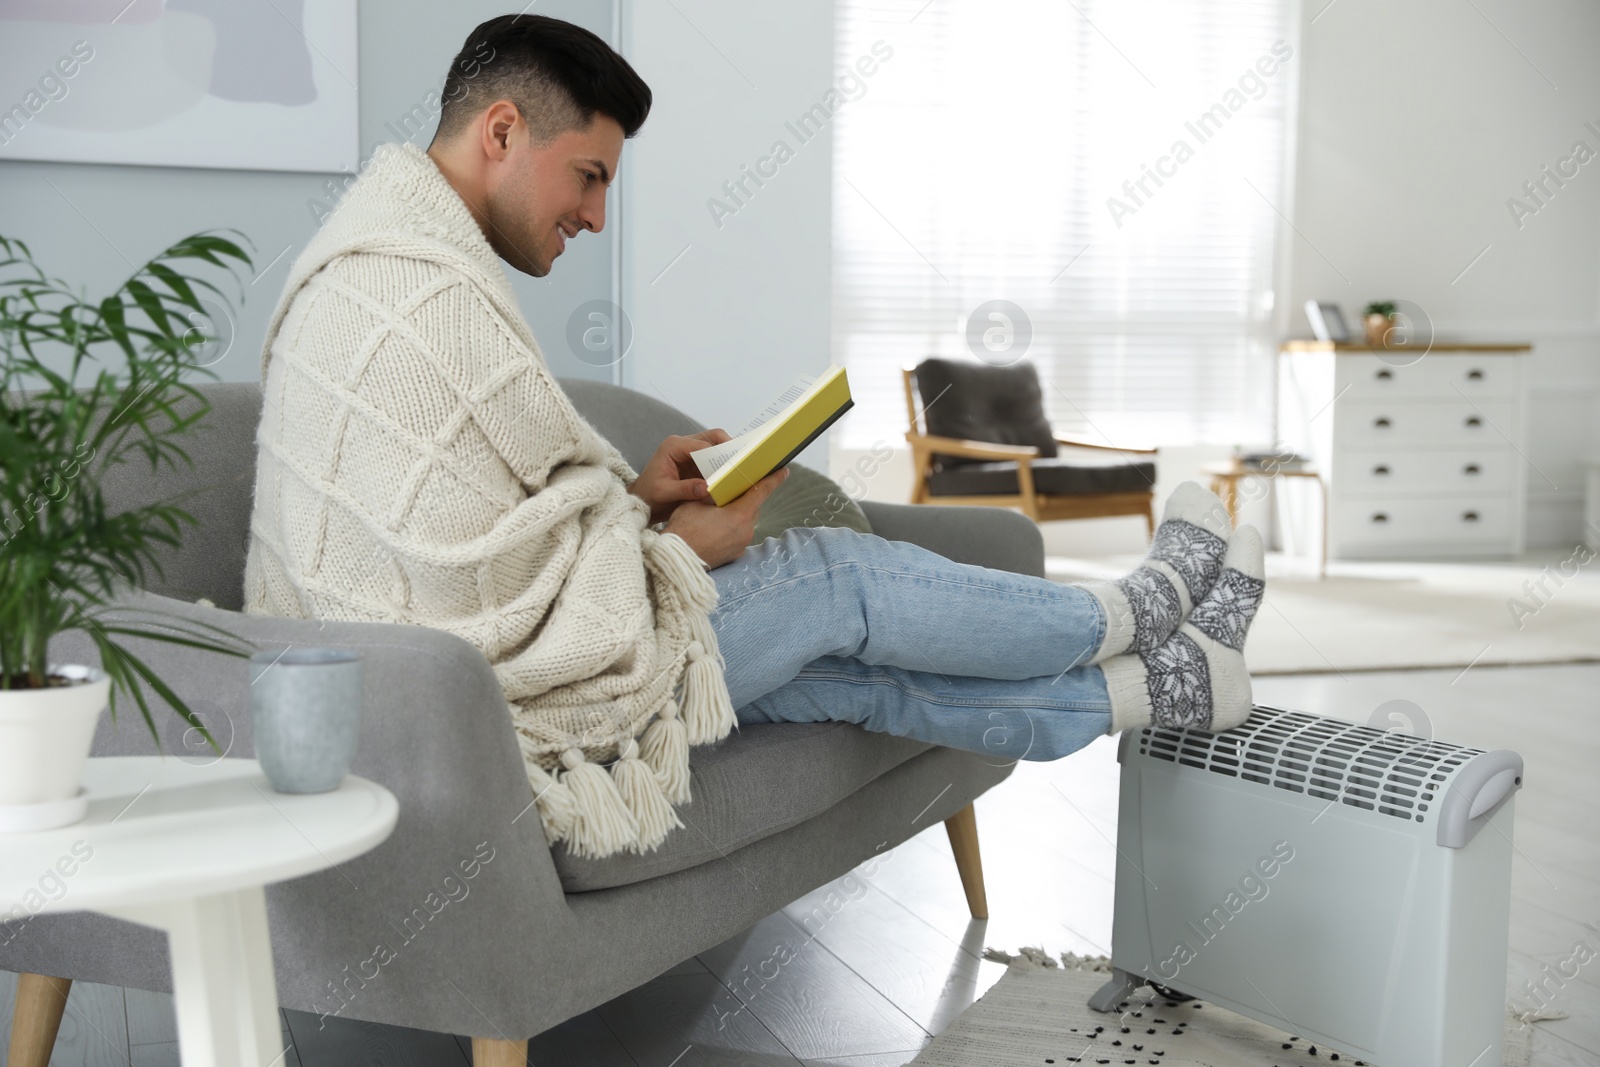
(222, 979)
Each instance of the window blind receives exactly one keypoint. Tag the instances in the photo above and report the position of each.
(1092, 186)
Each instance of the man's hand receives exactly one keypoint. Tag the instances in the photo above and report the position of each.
(719, 535)
(671, 477)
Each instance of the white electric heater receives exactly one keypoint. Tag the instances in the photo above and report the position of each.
(1337, 881)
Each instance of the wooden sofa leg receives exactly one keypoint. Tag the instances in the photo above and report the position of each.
(498, 1052)
(963, 830)
(36, 1017)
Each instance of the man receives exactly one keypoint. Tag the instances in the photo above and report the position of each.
(418, 463)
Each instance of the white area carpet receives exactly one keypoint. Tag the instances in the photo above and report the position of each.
(1397, 616)
(1036, 1015)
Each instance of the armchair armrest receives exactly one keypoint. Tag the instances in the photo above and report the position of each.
(1077, 442)
(988, 537)
(436, 732)
(953, 446)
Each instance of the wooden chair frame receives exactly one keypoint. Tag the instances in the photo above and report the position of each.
(1039, 507)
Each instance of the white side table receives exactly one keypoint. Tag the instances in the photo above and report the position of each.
(187, 849)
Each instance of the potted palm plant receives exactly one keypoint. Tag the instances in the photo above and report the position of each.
(85, 386)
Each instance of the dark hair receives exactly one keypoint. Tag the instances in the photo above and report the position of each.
(559, 75)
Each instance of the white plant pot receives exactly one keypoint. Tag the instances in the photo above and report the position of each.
(45, 737)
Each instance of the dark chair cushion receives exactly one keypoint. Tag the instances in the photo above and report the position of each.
(1051, 477)
(753, 783)
(976, 402)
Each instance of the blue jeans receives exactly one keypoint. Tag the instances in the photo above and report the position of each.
(829, 624)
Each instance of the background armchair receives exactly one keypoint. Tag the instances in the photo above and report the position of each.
(980, 436)
(778, 809)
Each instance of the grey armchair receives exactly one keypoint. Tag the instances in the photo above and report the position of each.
(778, 809)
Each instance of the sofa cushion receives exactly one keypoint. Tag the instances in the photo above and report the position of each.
(808, 498)
(635, 423)
(217, 487)
(757, 781)
(977, 402)
(1051, 477)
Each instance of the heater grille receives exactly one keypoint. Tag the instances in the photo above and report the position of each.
(1391, 773)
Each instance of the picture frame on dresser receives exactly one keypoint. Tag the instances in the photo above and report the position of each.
(1327, 321)
(1423, 453)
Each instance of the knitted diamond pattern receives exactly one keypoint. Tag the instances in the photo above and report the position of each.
(418, 463)
(1179, 683)
(1155, 604)
(1225, 614)
(1193, 551)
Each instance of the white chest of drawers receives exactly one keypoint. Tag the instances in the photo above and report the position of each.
(1423, 456)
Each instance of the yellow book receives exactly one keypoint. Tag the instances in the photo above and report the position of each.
(788, 425)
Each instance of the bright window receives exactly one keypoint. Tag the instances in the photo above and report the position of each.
(1113, 169)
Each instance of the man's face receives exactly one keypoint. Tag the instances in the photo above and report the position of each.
(540, 196)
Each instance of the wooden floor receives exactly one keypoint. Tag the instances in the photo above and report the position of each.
(900, 960)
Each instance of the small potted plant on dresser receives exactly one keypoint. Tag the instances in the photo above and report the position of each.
(1380, 323)
(64, 560)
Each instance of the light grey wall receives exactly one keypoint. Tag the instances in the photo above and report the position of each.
(1419, 121)
(91, 223)
(724, 316)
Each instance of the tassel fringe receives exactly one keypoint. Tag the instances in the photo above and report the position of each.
(1030, 956)
(675, 561)
(641, 791)
(700, 629)
(558, 808)
(707, 708)
(604, 824)
(666, 749)
(597, 812)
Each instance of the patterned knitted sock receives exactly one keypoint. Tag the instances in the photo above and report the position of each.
(1143, 609)
(1197, 679)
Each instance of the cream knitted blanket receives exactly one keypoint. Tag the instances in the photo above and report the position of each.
(417, 463)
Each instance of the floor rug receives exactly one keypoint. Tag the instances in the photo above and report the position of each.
(1403, 616)
(1037, 1015)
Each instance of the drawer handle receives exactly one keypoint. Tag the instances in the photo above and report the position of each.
(1471, 468)
(1469, 516)
(1381, 470)
(1474, 421)
(1379, 516)
(1381, 422)
(1384, 375)
(1474, 375)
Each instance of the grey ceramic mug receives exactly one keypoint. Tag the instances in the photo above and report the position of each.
(305, 708)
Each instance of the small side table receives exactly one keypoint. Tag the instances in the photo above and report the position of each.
(187, 849)
(1225, 478)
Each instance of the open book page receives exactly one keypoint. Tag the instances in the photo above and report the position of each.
(714, 457)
